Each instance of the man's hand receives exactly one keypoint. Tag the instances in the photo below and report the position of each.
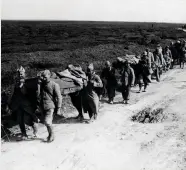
(59, 112)
(91, 81)
(37, 110)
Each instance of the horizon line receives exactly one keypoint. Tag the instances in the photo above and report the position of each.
(42, 20)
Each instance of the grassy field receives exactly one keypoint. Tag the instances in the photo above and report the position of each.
(54, 44)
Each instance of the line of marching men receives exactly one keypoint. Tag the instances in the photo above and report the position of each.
(50, 99)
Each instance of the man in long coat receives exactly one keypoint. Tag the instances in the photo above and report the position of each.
(157, 66)
(108, 73)
(127, 80)
(91, 99)
(150, 61)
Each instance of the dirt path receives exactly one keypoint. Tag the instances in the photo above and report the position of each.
(114, 141)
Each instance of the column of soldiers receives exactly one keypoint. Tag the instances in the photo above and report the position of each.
(49, 98)
(150, 63)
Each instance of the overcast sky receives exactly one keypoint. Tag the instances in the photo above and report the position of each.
(96, 10)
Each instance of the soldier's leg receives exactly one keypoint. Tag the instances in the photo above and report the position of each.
(20, 118)
(90, 113)
(140, 84)
(127, 94)
(113, 93)
(94, 106)
(180, 62)
(123, 92)
(157, 74)
(48, 123)
(109, 95)
(145, 87)
(32, 122)
(145, 80)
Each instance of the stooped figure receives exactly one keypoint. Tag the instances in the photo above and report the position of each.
(143, 72)
(127, 80)
(91, 100)
(50, 99)
(108, 74)
(22, 104)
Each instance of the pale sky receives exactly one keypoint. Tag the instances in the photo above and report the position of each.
(96, 10)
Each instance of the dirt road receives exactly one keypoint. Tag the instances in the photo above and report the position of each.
(114, 141)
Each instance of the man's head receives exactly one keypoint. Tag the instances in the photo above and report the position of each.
(126, 63)
(108, 64)
(167, 47)
(158, 46)
(90, 69)
(45, 76)
(171, 43)
(144, 53)
(21, 73)
(147, 50)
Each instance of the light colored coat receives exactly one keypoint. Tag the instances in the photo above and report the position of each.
(50, 96)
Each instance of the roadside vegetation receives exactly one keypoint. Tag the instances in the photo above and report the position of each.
(54, 45)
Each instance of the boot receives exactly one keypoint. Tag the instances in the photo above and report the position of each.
(126, 102)
(95, 116)
(24, 137)
(35, 129)
(50, 137)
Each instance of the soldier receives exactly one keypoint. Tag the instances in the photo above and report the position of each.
(144, 72)
(23, 104)
(150, 57)
(150, 61)
(91, 99)
(108, 73)
(167, 57)
(178, 49)
(174, 54)
(183, 54)
(50, 99)
(127, 80)
(157, 66)
(159, 52)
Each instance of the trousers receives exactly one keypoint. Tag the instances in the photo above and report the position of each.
(24, 118)
(126, 92)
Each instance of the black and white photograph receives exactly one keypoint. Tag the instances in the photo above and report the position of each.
(93, 85)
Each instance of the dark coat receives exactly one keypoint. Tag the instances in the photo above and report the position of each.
(128, 76)
(109, 76)
(25, 97)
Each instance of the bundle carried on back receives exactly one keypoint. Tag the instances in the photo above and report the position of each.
(70, 80)
(132, 59)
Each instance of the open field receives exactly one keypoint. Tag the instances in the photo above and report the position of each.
(53, 45)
